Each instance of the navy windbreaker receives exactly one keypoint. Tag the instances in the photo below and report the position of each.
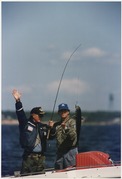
(28, 130)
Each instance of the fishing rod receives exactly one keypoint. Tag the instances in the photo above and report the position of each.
(60, 85)
(61, 80)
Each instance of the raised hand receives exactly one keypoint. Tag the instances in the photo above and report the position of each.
(16, 95)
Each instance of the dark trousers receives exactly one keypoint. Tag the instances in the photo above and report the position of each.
(32, 163)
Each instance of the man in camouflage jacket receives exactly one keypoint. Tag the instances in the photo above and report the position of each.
(66, 137)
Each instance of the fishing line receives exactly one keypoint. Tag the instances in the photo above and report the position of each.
(61, 80)
(77, 91)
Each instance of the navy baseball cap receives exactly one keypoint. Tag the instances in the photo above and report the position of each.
(37, 110)
(63, 106)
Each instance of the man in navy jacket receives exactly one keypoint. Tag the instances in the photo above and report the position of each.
(33, 136)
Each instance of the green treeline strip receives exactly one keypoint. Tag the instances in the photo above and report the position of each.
(89, 116)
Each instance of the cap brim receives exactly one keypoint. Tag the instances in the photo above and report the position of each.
(42, 113)
(63, 109)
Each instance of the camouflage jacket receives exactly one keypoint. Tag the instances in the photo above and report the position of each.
(66, 136)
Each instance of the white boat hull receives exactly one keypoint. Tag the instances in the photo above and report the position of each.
(103, 172)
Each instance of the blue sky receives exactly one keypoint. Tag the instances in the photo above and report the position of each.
(38, 39)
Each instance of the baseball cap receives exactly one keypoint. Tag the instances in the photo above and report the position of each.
(37, 110)
(63, 106)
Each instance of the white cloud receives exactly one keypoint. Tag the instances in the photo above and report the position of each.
(69, 86)
(66, 55)
(93, 52)
(96, 53)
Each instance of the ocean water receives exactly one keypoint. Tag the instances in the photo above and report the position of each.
(92, 138)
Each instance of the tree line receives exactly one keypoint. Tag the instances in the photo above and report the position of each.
(89, 116)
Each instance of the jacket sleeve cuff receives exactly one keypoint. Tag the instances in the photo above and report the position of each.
(18, 106)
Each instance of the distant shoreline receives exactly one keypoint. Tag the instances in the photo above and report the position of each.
(9, 122)
(114, 121)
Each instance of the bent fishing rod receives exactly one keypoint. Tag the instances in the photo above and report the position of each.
(61, 80)
(60, 85)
